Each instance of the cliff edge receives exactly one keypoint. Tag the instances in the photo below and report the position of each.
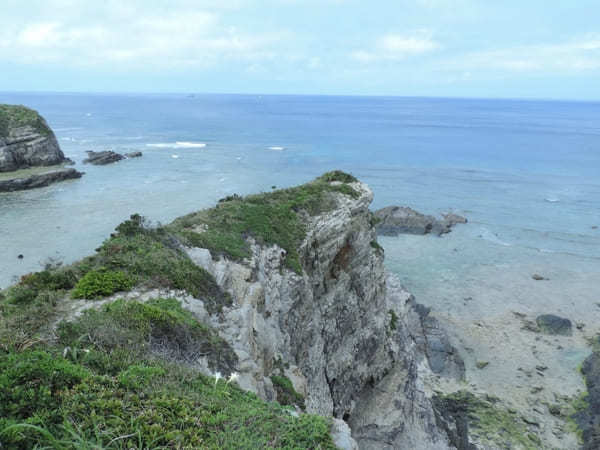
(26, 140)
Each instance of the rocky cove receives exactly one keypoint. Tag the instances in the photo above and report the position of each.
(283, 295)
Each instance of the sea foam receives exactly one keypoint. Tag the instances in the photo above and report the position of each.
(178, 144)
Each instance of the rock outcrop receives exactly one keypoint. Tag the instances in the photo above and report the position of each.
(395, 220)
(346, 334)
(108, 157)
(26, 140)
(102, 158)
(38, 180)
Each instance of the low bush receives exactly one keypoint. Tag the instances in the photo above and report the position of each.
(101, 283)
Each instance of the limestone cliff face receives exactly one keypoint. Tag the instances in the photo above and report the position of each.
(348, 336)
(26, 140)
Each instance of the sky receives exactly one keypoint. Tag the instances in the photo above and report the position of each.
(451, 48)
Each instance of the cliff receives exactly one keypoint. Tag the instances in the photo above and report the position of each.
(283, 294)
(26, 140)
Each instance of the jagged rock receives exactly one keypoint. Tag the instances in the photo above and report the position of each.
(551, 324)
(395, 220)
(443, 358)
(26, 140)
(39, 180)
(102, 158)
(133, 154)
(538, 277)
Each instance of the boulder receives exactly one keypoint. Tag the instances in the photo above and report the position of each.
(133, 154)
(555, 325)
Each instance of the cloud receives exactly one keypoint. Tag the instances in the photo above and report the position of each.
(575, 55)
(184, 37)
(392, 46)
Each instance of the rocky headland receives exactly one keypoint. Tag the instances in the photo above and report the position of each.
(266, 321)
(26, 141)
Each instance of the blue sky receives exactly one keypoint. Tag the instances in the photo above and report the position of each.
(466, 48)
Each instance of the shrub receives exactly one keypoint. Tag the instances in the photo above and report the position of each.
(101, 283)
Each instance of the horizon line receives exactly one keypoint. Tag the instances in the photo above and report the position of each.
(261, 94)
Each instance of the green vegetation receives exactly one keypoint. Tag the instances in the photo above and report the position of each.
(157, 328)
(152, 258)
(49, 402)
(20, 116)
(270, 218)
(101, 283)
(119, 378)
(286, 394)
(393, 320)
(136, 255)
(376, 246)
(488, 421)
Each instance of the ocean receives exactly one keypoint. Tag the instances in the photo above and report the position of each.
(525, 173)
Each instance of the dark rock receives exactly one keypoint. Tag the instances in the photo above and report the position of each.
(20, 256)
(102, 158)
(595, 227)
(133, 154)
(538, 277)
(443, 358)
(37, 181)
(551, 324)
(395, 220)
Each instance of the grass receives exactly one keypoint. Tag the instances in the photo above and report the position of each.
(50, 402)
(270, 218)
(489, 422)
(286, 394)
(121, 377)
(159, 328)
(19, 116)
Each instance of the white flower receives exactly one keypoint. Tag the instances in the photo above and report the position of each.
(234, 376)
(218, 377)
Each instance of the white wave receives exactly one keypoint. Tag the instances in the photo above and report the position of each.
(276, 148)
(175, 156)
(492, 237)
(88, 114)
(552, 199)
(178, 144)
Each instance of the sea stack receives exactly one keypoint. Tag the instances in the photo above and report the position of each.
(27, 142)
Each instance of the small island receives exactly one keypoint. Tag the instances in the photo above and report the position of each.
(30, 156)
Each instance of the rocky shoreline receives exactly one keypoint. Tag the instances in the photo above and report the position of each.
(39, 180)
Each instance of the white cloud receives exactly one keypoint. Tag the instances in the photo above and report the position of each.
(394, 46)
(122, 35)
(575, 55)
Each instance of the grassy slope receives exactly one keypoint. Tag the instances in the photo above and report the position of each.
(120, 376)
(19, 116)
(271, 218)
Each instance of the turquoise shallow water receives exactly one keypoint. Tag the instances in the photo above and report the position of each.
(525, 173)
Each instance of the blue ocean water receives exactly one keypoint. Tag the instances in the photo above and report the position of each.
(525, 173)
